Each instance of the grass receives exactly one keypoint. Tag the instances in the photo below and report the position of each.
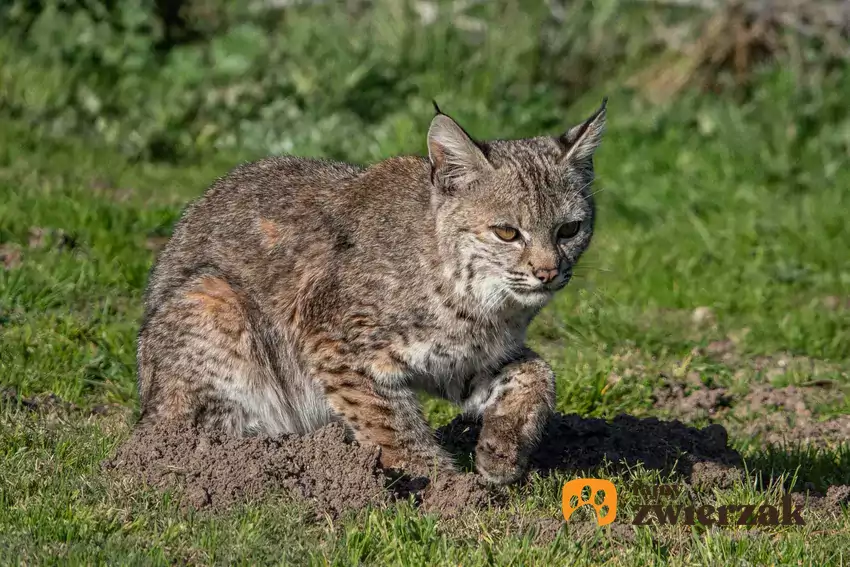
(733, 203)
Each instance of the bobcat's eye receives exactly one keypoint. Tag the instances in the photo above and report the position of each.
(506, 233)
(568, 230)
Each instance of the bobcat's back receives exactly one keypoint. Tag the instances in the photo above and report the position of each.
(238, 220)
(276, 244)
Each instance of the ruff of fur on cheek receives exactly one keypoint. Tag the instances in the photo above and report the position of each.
(488, 292)
(492, 297)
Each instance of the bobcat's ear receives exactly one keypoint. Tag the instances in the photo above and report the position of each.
(454, 155)
(580, 142)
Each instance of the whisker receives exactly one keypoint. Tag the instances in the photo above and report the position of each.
(592, 268)
(586, 185)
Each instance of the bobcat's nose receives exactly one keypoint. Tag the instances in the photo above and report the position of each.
(546, 275)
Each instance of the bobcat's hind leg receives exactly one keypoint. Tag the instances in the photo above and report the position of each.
(205, 355)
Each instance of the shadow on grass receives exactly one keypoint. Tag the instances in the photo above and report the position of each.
(701, 456)
(572, 443)
(800, 467)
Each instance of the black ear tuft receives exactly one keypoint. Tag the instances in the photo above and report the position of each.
(580, 142)
(436, 108)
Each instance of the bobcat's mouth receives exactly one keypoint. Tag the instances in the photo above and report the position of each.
(531, 297)
(540, 293)
(532, 291)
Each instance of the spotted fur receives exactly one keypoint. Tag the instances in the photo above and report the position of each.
(297, 291)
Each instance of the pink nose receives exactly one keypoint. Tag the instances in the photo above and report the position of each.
(546, 275)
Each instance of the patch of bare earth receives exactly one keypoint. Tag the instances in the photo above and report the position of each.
(41, 237)
(214, 470)
(775, 415)
(331, 474)
(12, 254)
(324, 469)
(836, 498)
(51, 405)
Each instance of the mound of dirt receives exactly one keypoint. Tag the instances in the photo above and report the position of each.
(453, 495)
(332, 474)
(215, 470)
(782, 428)
(324, 469)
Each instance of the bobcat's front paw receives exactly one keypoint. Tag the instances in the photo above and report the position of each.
(499, 459)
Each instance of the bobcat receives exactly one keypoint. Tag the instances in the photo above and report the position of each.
(296, 292)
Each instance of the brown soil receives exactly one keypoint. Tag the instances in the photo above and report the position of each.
(216, 471)
(836, 498)
(40, 237)
(775, 415)
(781, 429)
(706, 402)
(331, 474)
(324, 470)
(10, 256)
(674, 397)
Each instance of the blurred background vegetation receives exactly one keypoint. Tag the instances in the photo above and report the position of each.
(724, 171)
(353, 79)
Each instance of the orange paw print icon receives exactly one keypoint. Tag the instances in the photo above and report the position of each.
(599, 493)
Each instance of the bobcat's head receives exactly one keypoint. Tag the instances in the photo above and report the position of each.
(513, 216)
